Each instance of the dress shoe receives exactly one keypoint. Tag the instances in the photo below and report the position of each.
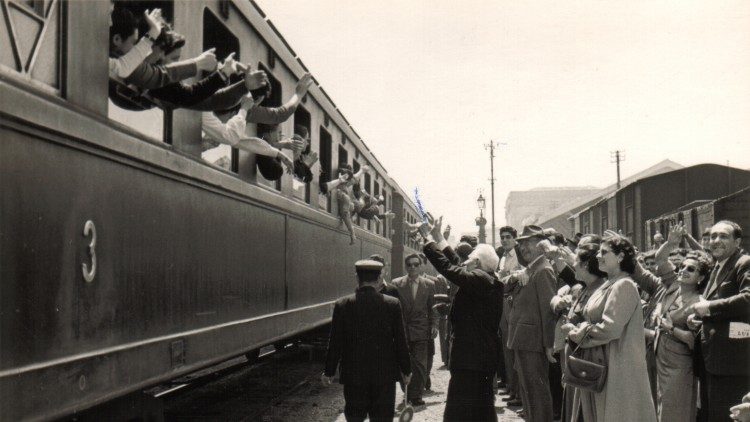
(417, 402)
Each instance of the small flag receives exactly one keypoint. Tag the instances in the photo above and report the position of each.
(420, 207)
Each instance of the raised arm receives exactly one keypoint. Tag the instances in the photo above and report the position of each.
(276, 115)
(124, 65)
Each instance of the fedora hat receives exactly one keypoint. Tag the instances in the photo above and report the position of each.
(530, 232)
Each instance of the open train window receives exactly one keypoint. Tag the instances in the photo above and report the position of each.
(343, 155)
(375, 193)
(273, 100)
(367, 189)
(355, 168)
(325, 165)
(302, 118)
(218, 36)
(130, 105)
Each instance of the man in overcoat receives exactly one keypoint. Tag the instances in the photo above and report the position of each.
(416, 294)
(369, 342)
(725, 313)
(531, 327)
(475, 320)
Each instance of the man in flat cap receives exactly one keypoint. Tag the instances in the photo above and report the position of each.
(531, 327)
(369, 342)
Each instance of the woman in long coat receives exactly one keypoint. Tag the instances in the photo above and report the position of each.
(614, 314)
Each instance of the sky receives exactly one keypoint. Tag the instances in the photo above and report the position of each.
(427, 84)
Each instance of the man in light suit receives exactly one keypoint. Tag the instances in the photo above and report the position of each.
(416, 294)
(725, 314)
(531, 327)
(368, 341)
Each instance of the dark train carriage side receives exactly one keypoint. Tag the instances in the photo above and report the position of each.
(125, 258)
(630, 207)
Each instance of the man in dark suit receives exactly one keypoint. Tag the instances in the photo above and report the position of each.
(475, 320)
(531, 327)
(417, 299)
(368, 340)
(725, 312)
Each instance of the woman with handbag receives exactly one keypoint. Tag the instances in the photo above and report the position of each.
(586, 268)
(613, 384)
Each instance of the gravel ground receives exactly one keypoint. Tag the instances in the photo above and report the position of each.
(287, 388)
(313, 402)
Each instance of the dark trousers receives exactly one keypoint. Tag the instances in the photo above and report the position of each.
(510, 370)
(555, 385)
(724, 391)
(471, 396)
(502, 373)
(430, 361)
(269, 167)
(419, 353)
(443, 335)
(651, 368)
(376, 400)
(533, 374)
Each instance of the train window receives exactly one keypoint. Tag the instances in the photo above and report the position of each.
(273, 100)
(375, 193)
(31, 42)
(343, 155)
(325, 165)
(355, 168)
(218, 36)
(302, 119)
(367, 189)
(127, 104)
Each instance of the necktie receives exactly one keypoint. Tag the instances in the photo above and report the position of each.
(414, 289)
(712, 279)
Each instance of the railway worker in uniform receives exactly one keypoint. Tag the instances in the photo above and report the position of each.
(421, 320)
(475, 317)
(369, 342)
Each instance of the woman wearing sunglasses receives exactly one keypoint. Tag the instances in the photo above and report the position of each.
(674, 342)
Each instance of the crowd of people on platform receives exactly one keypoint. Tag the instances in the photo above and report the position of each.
(147, 71)
(584, 329)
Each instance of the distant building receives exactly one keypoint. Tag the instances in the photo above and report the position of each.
(558, 218)
(526, 207)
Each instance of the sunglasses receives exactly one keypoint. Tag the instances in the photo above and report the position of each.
(688, 268)
(412, 265)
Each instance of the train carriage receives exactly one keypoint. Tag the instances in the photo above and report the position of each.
(130, 253)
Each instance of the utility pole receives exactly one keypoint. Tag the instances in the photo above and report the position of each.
(491, 146)
(615, 157)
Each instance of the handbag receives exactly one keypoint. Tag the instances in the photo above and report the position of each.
(586, 368)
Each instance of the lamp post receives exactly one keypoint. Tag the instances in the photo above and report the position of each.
(481, 221)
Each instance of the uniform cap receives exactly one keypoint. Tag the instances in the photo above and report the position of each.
(368, 265)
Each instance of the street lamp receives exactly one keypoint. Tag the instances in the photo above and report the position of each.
(481, 221)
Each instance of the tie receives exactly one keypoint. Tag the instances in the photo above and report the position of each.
(414, 286)
(712, 279)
